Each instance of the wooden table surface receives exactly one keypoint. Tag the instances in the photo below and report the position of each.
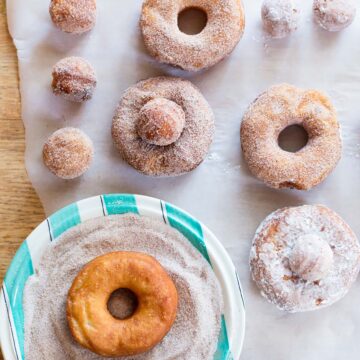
(20, 208)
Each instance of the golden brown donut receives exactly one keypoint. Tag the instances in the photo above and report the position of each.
(96, 329)
(273, 111)
(164, 40)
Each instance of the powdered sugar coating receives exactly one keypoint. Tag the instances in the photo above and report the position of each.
(280, 17)
(165, 41)
(311, 258)
(183, 155)
(73, 16)
(334, 15)
(68, 153)
(195, 332)
(273, 111)
(274, 242)
(74, 79)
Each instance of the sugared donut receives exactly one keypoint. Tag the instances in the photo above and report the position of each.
(74, 79)
(280, 17)
(161, 122)
(273, 111)
(164, 40)
(90, 321)
(68, 153)
(73, 16)
(163, 126)
(304, 258)
(334, 15)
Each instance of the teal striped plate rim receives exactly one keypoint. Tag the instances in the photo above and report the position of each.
(26, 261)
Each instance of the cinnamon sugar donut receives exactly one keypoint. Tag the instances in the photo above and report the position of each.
(163, 126)
(68, 153)
(334, 15)
(73, 16)
(278, 108)
(74, 79)
(304, 258)
(90, 321)
(280, 17)
(164, 40)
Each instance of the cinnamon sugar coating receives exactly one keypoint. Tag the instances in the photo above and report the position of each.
(273, 111)
(165, 42)
(161, 122)
(178, 158)
(68, 153)
(73, 16)
(334, 15)
(74, 79)
(327, 262)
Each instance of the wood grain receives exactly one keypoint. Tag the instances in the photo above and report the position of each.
(20, 208)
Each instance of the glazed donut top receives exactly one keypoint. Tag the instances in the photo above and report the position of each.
(304, 258)
(273, 111)
(165, 41)
(163, 126)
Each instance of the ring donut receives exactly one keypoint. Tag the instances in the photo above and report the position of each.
(278, 108)
(164, 40)
(96, 329)
(163, 126)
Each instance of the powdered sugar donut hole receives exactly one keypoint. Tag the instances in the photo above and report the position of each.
(334, 15)
(280, 17)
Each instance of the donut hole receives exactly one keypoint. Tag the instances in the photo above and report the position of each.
(122, 303)
(192, 21)
(293, 138)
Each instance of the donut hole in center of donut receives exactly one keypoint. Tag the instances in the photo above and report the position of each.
(192, 21)
(122, 303)
(293, 138)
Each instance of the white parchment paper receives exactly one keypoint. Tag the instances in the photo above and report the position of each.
(221, 192)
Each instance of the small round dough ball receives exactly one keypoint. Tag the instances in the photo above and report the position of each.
(74, 79)
(311, 258)
(334, 15)
(161, 122)
(280, 17)
(73, 16)
(68, 153)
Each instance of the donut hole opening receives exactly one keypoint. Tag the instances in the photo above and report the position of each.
(293, 138)
(192, 21)
(122, 303)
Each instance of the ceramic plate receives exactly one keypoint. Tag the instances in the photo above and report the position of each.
(27, 258)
